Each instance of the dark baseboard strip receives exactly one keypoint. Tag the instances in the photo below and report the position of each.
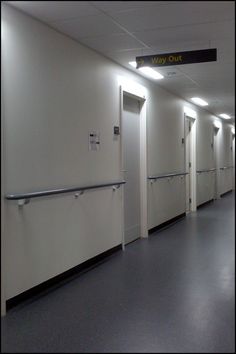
(166, 223)
(60, 279)
(205, 203)
(222, 195)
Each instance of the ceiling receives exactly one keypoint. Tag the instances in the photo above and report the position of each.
(122, 30)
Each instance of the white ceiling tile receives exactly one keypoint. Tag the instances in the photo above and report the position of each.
(87, 26)
(117, 28)
(216, 80)
(175, 14)
(115, 43)
(166, 47)
(124, 57)
(170, 72)
(178, 83)
(119, 6)
(56, 10)
(208, 69)
(188, 35)
(225, 51)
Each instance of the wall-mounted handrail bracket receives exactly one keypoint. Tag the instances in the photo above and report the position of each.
(115, 187)
(78, 194)
(22, 202)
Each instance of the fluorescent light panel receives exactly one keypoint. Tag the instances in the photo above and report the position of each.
(148, 71)
(217, 124)
(224, 115)
(199, 101)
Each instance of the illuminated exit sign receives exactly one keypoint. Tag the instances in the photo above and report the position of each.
(179, 58)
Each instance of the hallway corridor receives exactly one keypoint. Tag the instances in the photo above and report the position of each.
(171, 293)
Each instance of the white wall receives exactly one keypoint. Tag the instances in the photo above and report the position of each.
(165, 126)
(3, 234)
(233, 164)
(205, 187)
(226, 159)
(205, 157)
(52, 235)
(55, 92)
(206, 160)
(166, 200)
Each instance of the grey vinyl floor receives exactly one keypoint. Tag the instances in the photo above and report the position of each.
(172, 293)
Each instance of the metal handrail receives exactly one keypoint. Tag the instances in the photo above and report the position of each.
(226, 167)
(24, 198)
(210, 170)
(168, 175)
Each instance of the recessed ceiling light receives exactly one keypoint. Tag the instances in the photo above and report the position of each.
(151, 73)
(199, 101)
(133, 64)
(224, 115)
(148, 71)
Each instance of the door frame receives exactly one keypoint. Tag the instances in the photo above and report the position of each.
(141, 97)
(192, 154)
